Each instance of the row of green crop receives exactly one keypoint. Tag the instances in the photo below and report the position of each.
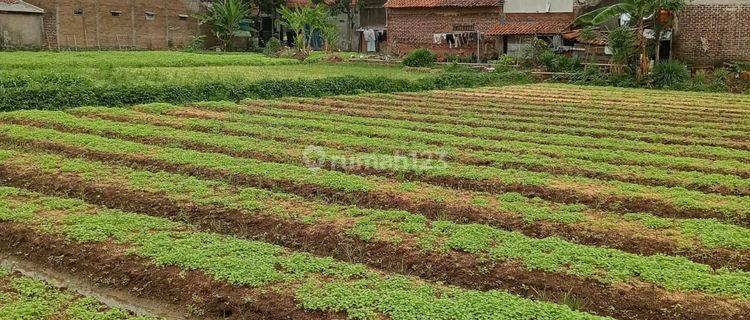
(724, 184)
(405, 130)
(23, 298)
(612, 195)
(60, 97)
(489, 118)
(130, 59)
(549, 255)
(572, 109)
(317, 283)
(678, 99)
(469, 128)
(572, 120)
(413, 195)
(614, 100)
(531, 103)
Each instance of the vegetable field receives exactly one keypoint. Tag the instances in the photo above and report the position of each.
(523, 202)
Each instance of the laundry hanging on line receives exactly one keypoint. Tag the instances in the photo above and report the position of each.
(456, 39)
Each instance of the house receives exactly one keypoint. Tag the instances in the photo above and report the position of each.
(20, 25)
(711, 32)
(523, 20)
(447, 27)
(372, 21)
(119, 24)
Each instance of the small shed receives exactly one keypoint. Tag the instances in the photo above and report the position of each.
(20, 25)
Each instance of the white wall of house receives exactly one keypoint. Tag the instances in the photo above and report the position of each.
(538, 6)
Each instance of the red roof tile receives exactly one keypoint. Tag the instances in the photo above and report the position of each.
(532, 23)
(441, 3)
(528, 28)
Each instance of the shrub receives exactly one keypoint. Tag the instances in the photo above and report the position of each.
(273, 46)
(505, 63)
(670, 74)
(62, 97)
(196, 44)
(548, 60)
(420, 58)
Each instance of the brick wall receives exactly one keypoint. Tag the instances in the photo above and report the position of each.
(710, 34)
(413, 28)
(118, 24)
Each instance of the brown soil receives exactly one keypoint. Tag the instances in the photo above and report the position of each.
(644, 110)
(549, 110)
(372, 114)
(461, 158)
(488, 116)
(415, 118)
(626, 302)
(460, 212)
(108, 267)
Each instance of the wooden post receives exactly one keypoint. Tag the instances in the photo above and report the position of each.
(97, 8)
(132, 24)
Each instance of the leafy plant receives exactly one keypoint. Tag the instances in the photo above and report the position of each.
(420, 58)
(622, 41)
(273, 46)
(670, 74)
(224, 17)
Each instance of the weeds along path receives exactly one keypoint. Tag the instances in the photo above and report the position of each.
(471, 256)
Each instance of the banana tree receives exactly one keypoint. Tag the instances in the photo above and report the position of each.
(639, 11)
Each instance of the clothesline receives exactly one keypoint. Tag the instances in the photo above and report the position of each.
(457, 39)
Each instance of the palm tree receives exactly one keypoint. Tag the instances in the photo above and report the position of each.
(639, 11)
(224, 17)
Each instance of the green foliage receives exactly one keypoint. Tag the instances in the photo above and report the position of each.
(59, 97)
(273, 46)
(420, 58)
(670, 74)
(224, 17)
(196, 44)
(360, 292)
(24, 298)
(623, 41)
(559, 63)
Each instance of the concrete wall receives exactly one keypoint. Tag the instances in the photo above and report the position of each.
(118, 24)
(710, 34)
(538, 6)
(20, 30)
(409, 29)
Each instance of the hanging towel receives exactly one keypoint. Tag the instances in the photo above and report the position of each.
(371, 40)
(451, 40)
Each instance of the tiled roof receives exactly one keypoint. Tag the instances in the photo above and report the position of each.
(442, 3)
(18, 6)
(302, 3)
(532, 24)
(528, 28)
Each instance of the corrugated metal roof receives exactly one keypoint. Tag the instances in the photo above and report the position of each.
(19, 6)
(441, 3)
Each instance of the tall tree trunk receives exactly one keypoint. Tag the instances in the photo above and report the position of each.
(657, 48)
(643, 69)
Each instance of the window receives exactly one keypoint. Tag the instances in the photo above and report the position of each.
(150, 16)
(116, 13)
(183, 17)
